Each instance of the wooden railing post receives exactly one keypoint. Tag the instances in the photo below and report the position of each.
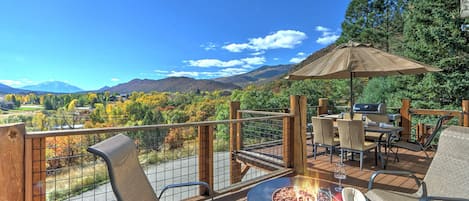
(465, 111)
(235, 166)
(205, 157)
(323, 107)
(405, 119)
(287, 142)
(12, 170)
(298, 109)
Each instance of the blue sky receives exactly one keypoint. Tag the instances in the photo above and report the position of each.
(91, 44)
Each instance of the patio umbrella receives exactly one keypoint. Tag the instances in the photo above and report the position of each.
(353, 59)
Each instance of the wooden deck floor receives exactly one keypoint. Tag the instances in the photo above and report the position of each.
(322, 168)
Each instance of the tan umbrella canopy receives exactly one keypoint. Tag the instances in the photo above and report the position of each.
(353, 59)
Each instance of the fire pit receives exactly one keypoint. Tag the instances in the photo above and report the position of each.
(298, 188)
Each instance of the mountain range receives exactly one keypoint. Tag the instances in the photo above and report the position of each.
(170, 84)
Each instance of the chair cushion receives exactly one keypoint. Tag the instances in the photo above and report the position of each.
(369, 145)
(375, 136)
(385, 195)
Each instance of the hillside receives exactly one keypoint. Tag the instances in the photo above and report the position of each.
(5, 89)
(171, 84)
(258, 76)
(54, 87)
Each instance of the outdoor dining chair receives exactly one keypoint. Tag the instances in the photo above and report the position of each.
(128, 180)
(417, 146)
(352, 138)
(323, 135)
(376, 119)
(447, 177)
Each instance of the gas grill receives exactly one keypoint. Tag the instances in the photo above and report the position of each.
(369, 108)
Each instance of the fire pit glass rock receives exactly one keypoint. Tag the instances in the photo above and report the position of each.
(291, 193)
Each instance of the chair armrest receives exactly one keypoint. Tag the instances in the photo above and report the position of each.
(199, 183)
(394, 172)
(404, 173)
(446, 198)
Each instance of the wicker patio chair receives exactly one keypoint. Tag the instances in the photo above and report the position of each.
(128, 180)
(447, 177)
(323, 130)
(352, 138)
(417, 146)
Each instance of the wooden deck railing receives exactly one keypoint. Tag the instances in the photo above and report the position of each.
(23, 154)
(24, 164)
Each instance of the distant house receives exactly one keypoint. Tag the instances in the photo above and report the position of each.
(7, 105)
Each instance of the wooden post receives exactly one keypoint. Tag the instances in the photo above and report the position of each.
(298, 109)
(239, 132)
(205, 157)
(287, 142)
(322, 109)
(235, 166)
(12, 162)
(406, 122)
(421, 132)
(465, 110)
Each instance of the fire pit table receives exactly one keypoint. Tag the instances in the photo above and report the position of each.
(294, 188)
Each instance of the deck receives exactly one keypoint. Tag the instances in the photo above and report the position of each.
(322, 168)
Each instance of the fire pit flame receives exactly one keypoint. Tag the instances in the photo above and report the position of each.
(302, 191)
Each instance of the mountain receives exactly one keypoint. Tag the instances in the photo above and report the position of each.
(171, 84)
(54, 87)
(5, 89)
(257, 76)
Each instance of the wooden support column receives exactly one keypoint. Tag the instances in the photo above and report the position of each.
(235, 166)
(12, 171)
(205, 157)
(298, 109)
(465, 110)
(287, 142)
(323, 107)
(406, 118)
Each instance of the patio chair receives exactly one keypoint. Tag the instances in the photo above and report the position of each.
(447, 177)
(376, 118)
(356, 116)
(323, 130)
(128, 180)
(417, 146)
(352, 138)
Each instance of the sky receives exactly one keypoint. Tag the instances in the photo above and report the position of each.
(95, 43)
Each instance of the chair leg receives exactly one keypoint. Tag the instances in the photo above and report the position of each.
(376, 156)
(330, 159)
(315, 149)
(341, 155)
(426, 155)
(361, 160)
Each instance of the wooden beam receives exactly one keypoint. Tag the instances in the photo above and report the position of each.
(235, 166)
(323, 107)
(12, 180)
(453, 113)
(465, 111)
(245, 170)
(205, 158)
(405, 119)
(298, 109)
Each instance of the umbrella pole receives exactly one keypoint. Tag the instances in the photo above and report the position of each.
(351, 95)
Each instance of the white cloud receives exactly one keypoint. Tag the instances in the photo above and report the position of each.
(299, 57)
(183, 74)
(322, 29)
(246, 62)
(209, 46)
(11, 83)
(279, 39)
(276, 59)
(161, 71)
(327, 36)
